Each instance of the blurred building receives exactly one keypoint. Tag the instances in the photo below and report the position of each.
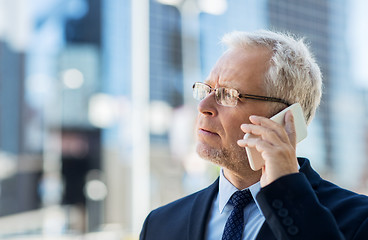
(336, 139)
(73, 131)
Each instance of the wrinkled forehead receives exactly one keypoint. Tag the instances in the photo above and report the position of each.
(241, 68)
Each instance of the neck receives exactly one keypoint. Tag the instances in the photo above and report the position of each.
(242, 180)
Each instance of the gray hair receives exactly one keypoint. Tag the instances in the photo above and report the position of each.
(293, 74)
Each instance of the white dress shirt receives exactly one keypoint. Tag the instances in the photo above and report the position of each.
(220, 211)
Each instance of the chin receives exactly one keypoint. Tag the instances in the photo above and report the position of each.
(206, 152)
(233, 158)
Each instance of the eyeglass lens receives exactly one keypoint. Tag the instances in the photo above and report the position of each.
(200, 91)
(223, 96)
(227, 96)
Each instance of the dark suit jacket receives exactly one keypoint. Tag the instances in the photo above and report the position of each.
(297, 206)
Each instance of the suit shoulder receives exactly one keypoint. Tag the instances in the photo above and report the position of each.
(182, 206)
(171, 220)
(337, 198)
(179, 204)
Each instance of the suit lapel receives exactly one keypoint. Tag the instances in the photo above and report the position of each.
(200, 210)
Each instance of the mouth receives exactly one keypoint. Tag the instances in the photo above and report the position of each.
(207, 132)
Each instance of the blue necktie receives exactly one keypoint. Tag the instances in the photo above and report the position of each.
(235, 223)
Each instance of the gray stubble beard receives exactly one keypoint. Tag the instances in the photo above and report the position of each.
(233, 158)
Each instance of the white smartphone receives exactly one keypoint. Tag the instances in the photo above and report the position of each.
(255, 158)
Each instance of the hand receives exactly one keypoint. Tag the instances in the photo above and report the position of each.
(276, 144)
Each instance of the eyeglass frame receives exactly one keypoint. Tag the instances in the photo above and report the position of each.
(244, 95)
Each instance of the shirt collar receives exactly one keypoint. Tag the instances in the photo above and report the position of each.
(227, 189)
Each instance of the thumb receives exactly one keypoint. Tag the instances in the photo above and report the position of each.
(290, 127)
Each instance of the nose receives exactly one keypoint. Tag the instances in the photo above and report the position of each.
(208, 105)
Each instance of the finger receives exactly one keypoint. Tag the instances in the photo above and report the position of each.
(256, 143)
(268, 123)
(242, 142)
(275, 136)
(290, 127)
(264, 133)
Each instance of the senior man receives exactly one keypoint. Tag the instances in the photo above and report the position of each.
(260, 74)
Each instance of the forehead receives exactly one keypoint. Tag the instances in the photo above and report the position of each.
(240, 68)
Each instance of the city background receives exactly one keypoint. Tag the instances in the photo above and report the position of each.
(96, 113)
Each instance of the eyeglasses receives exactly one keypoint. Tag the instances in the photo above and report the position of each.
(228, 96)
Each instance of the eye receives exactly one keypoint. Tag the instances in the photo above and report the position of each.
(201, 91)
(227, 96)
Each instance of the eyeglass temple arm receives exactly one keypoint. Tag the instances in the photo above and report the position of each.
(263, 98)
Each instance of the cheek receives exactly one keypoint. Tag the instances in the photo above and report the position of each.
(233, 131)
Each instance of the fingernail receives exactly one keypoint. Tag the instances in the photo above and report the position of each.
(252, 117)
(242, 141)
